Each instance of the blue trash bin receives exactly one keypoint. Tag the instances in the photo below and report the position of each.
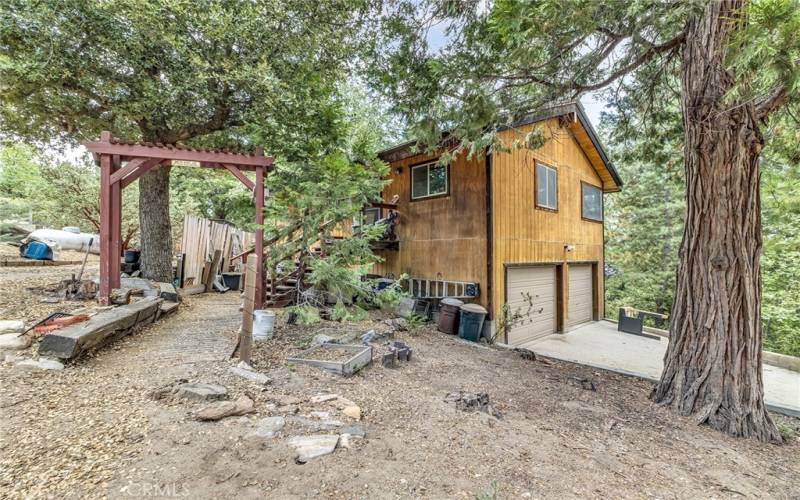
(471, 324)
(37, 250)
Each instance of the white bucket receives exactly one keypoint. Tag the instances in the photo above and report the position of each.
(263, 324)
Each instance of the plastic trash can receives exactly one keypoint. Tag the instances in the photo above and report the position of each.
(471, 325)
(263, 324)
(448, 315)
(37, 250)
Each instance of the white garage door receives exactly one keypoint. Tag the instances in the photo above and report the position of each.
(580, 295)
(531, 294)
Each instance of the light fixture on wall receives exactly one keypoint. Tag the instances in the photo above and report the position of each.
(398, 170)
(569, 248)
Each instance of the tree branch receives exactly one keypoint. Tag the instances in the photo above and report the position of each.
(777, 98)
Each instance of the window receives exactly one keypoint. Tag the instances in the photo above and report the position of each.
(546, 187)
(369, 215)
(429, 179)
(591, 202)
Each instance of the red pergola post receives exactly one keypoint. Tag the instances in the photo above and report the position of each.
(116, 227)
(105, 222)
(258, 192)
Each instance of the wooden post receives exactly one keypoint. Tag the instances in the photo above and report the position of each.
(259, 246)
(105, 222)
(116, 227)
(246, 333)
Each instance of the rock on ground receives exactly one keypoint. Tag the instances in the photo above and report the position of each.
(13, 342)
(308, 447)
(270, 427)
(201, 392)
(254, 376)
(12, 326)
(221, 409)
(40, 364)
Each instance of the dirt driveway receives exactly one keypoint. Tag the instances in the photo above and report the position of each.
(93, 431)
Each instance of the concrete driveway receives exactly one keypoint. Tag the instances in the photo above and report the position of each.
(600, 345)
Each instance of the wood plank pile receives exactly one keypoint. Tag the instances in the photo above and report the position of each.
(207, 250)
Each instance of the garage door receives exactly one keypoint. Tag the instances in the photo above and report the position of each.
(580, 295)
(531, 293)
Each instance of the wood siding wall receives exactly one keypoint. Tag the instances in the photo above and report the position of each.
(444, 237)
(523, 233)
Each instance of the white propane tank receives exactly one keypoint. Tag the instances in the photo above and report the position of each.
(67, 240)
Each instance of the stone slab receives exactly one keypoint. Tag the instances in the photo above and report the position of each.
(75, 340)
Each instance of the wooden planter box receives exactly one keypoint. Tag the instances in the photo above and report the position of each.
(355, 357)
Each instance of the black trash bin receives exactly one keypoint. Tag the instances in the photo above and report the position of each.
(471, 324)
(448, 315)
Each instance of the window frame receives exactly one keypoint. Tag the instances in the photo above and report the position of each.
(602, 204)
(536, 186)
(427, 163)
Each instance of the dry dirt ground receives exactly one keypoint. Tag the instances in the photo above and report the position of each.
(92, 431)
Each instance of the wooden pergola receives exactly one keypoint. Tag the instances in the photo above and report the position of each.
(122, 162)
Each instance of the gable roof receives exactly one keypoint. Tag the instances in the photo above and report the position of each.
(577, 122)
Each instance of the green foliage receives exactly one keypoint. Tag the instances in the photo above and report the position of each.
(306, 315)
(780, 264)
(489, 494)
(176, 70)
(55, 193)
(415, 323)
(344, 314)
(644, 222)
(390, 297)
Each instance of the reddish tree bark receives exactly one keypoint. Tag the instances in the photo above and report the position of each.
(712, 369)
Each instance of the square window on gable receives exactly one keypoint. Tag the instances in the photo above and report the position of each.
(546, 187)
(428, 180)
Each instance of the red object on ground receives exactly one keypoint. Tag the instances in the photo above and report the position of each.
(56, 323)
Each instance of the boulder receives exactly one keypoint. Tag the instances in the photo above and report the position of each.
(309, 447)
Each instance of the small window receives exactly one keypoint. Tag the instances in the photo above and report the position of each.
(546, 187)
(591, 202)
(369, 215)
(428, 180)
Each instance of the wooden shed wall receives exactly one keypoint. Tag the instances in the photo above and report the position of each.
(523, 233)
(444, 237)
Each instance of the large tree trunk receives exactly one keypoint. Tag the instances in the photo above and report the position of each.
(712, 369)
(156, 236)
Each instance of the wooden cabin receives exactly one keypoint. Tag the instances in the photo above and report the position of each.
(518, 232)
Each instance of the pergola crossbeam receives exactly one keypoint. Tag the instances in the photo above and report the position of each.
(239, 175)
